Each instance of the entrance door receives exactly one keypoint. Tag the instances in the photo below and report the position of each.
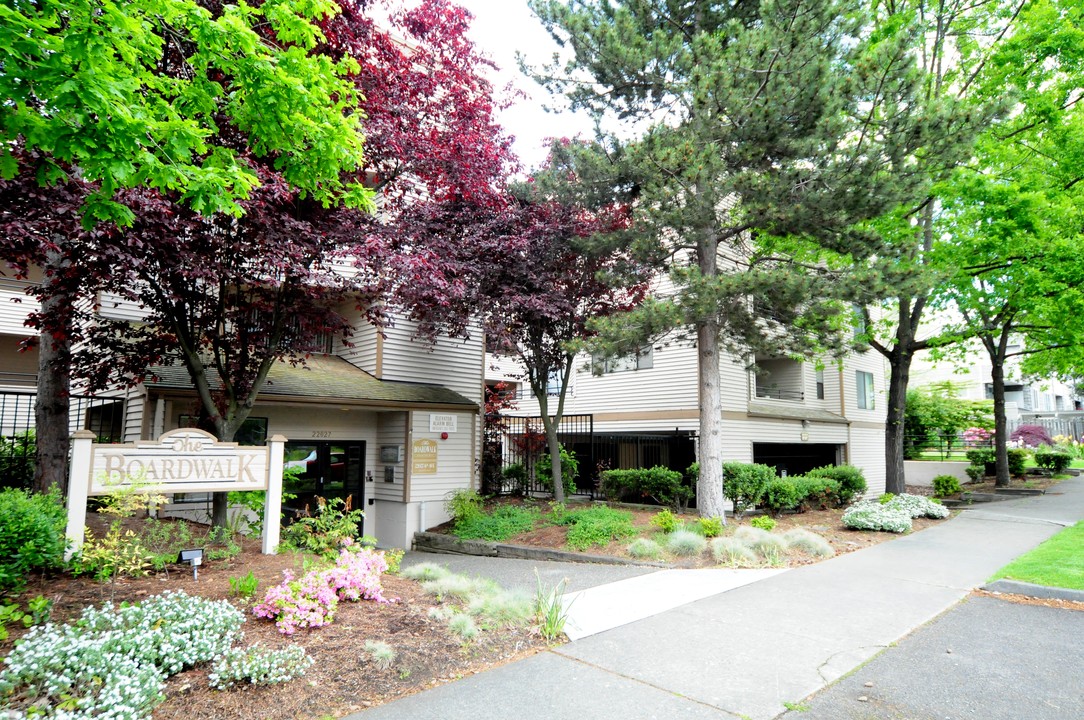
(324, 469)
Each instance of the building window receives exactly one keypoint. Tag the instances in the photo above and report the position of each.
(864, 389)
(553, 383)
(820, 384)
(642, 359)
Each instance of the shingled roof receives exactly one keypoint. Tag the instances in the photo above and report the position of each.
(324, 377)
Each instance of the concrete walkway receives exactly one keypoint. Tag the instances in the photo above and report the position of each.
(746, 652)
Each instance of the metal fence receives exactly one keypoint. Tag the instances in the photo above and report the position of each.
(524, 451)
(103, 416)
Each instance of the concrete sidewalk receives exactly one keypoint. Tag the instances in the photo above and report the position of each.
(746, 652)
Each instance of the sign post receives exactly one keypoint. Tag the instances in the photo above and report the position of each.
(184, 460)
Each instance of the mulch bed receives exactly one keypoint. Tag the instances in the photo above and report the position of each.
(342, 680)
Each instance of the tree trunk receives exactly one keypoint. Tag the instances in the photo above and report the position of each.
(895, 428)
(709, 484)
(53, 401)
(555, 460)
(1001, 425)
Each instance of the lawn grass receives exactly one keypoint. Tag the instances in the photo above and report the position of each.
(1058, 562)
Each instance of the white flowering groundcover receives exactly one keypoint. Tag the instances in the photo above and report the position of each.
(892, 516)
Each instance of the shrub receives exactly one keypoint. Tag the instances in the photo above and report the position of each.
(515, 476)
(744, 484)
(852, 481)
(644, 549)
(945, 485)
(666, 487)
(872, 515)
(818, 493)
(258, 666)
(975, 472)
(781, 494)
(119, 553)
(763, 522)
(498, 525)
(808, 542)
(1031, 436)
(463, 503)
(733, 552)
(32, 535)
(917, 506)
(710, 527)
(570, 468)
(685, 543)
(666, 521)
(17, 459)
(382, 654)
(425, 571)
(597, 525)
(323, 533)
(1018, 459)
(113, 662)
(1053, 459)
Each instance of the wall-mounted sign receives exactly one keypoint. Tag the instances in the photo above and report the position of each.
(442, 423)
(391, 453)
(423, 458)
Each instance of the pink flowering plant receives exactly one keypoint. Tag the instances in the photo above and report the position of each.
(976, 436)
(311, 600)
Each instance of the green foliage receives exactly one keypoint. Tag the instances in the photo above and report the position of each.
(975, 472)
(119, 553)
(17, 458)
(665, 521)
(944, 485)
(763, 522)
(221, 544)
(744, 484)
(463, 625)
(38, 610)
(324, 532)
(570, 468)
(685, 543)
(463, 503)
(781, 494)
(597, 525)
(254, 500)
(710, 527)
(163, 539)
(664, 486)
(551, 612)
(245, 586)
(935, 415)
(1057, 562)
(498, 525)
(98, 68)
(515, 475)
(1053, 459)
(394, 558)
(32, 535)
(986, 459)
(881, 516)
(852, 481)
(818, 493)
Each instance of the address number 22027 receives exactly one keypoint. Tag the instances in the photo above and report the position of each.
(321, 433)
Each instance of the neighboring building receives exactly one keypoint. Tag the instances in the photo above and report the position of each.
(792, 415)
(391, 422)
(1024, 396)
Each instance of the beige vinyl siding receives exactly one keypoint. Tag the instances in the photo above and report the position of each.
(867, 451)
(736, 383)
(135, 408)
(455, 458)
(390, 430)
(116, 308)
(452, 362)
(17, 368)
(364, 345)
(15, 307)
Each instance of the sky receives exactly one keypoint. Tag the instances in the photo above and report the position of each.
(500, 29)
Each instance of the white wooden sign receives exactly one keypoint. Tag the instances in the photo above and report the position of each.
(184, 460)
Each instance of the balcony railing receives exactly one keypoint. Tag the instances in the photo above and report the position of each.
(780, 394)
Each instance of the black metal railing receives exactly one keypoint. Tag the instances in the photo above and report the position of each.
(779, 394)
(524, 452)
(103, 416)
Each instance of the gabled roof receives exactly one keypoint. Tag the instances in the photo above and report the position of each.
(323, 377)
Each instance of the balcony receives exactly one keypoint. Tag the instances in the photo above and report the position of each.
(779, 379)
